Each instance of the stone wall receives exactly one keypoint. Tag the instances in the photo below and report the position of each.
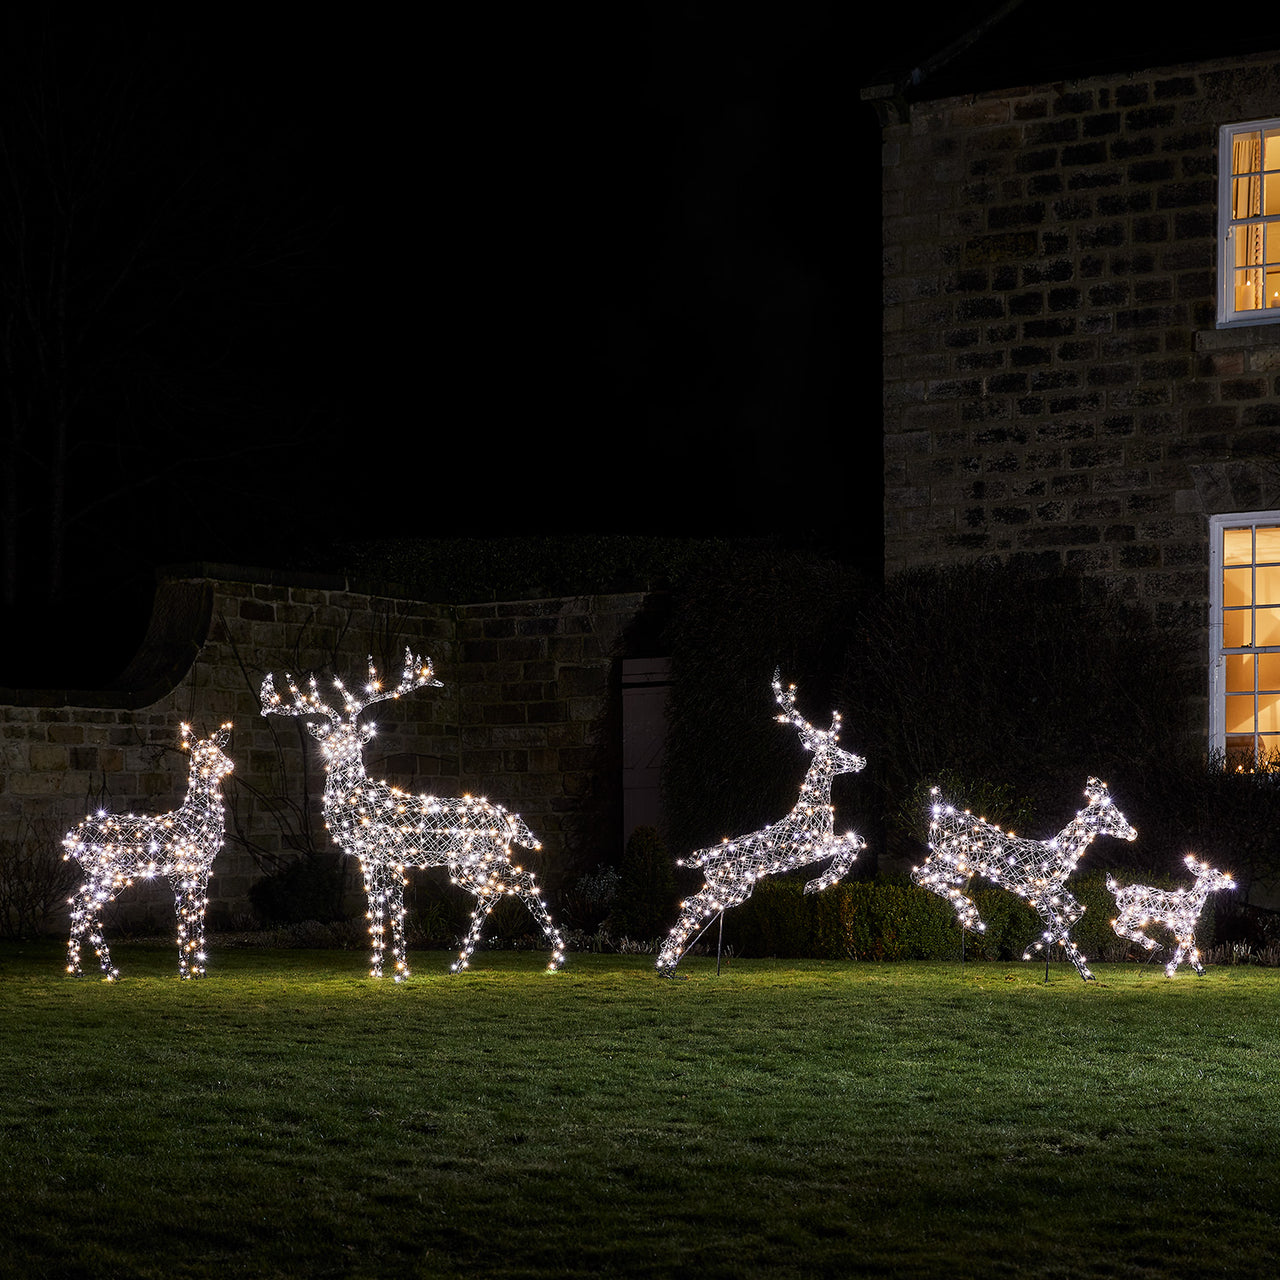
(529, 715)
(1054, 384)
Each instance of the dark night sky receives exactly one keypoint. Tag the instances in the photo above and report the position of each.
(517, 272)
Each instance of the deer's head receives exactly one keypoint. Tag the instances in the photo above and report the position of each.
(1208, 878)
(340, 735)
(822, 742)
(208, 759)
(1102, 817)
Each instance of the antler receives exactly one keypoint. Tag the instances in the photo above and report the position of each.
(416, 674)
(304, 704)
(786, 699)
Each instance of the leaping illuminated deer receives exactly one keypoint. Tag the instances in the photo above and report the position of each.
(805, 835)
(117, 849)
(962, 846)
(389, 830)
(1178, 910)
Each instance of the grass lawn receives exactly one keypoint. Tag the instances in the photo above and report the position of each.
(289, 1116)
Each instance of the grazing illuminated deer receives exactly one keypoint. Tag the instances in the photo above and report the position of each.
(1176, 909)
(805, 835)
(389, 830)
(961, 846)
(116, 849)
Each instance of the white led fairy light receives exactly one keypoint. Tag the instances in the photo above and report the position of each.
(805, 835)
(962, 846)
(1178, 910)
(116, 849)
(389, 830)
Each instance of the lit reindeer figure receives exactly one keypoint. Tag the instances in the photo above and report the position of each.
(115, 850)
(961, 846)
(1177, 909)
(805, 835)
(389, 830)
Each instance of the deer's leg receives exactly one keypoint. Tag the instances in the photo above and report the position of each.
(189, 902)
(81, 915)
(1056, 931)
(100, 894)
(395, 909)
(1127, 929)
(693, 911)
(376, 895)
(484, 904)
(526, 886)
(846, 848)
(1187, 951)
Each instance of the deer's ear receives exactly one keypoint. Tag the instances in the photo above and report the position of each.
(318, 731)
(366, 734)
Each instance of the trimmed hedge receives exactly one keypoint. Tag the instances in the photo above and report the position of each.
(897, 920)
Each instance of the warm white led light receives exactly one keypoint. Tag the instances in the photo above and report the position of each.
(962, 846)
(805, 835)
(1178, 910)
(389, 830)
(116, 849)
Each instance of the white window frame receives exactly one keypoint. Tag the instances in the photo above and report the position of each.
(1228, 316)
(1217, 653)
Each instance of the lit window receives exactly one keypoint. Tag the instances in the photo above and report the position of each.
(1249, 223)
(1245, 637)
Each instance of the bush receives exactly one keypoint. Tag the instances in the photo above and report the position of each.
(894, 919)
(646, 895)
(308, 888)
(35, 881)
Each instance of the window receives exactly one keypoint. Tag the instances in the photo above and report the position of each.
(1249, 223)
(1244, 634)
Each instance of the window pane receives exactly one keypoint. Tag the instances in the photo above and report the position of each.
(1269, 713)
(1271, 149)
(1237, 587)
(1272, 288)
(1271, 194)
(1246, 198)
(1240, 753)
(1266, 627)
(1268, 544)
(1239, 715)
(1237, 629)
(1247, 246)
(1268, 672)
(1240, 672)
(1246, 151)
(1237, 546)
(1266, 584)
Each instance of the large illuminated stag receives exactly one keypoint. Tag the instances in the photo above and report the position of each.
(962, 846)
(389, 830)
(806, 835)
(1178, 910)
(117, 849)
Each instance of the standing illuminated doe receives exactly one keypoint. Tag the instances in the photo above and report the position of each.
(115, 849)
(1178, 910)
(962, 846)
(805, 835)
(389, 830)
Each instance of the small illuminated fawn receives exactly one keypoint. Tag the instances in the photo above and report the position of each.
(117, 849)
(1177, 909)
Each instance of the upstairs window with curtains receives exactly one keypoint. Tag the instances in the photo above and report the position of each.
(1249, 223)
(1245, 627)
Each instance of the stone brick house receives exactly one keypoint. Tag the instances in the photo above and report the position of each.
(1081, 354)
